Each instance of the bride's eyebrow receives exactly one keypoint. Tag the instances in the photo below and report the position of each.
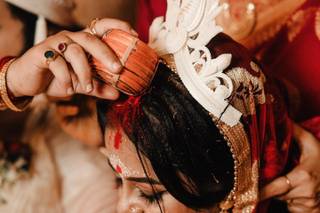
(138, 179)
(144, 180)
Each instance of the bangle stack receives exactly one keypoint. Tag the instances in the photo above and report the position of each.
(17, 105)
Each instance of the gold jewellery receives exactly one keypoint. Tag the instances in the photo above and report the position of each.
(23, 103)
(50, 56)
(92, 25)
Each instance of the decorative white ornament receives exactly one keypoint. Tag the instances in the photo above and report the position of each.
(188, 28)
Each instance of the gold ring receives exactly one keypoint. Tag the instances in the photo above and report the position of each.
(63, 46)
(50, 56)
(288, 182)
(92, 26)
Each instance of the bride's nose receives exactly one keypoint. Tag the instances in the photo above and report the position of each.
(129, 209)
(135, 210)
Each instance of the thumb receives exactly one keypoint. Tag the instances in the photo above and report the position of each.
(277, 187)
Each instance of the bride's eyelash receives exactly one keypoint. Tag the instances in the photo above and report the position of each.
(153, 198)
(118, 182)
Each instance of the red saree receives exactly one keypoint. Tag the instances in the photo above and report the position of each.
(294, 53)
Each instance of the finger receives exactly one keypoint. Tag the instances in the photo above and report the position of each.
(316, 210)
(306, 190)
(304, 184)
(60, 70)
(65, 111)
(104, 25)
(100, 90)
(277, 187)
(104, 91)
(58, 99)
(97, 49)
(76, 56)
(309, 203)
(294, 208)
(293, 180)
(75, 81)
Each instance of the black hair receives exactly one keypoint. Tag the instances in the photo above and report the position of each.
(187, 152)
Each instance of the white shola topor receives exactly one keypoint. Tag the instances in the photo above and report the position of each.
(187, 29)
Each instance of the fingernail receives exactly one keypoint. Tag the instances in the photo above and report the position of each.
(89, 88)
(116, 66)
(70, 91)
(134, 32)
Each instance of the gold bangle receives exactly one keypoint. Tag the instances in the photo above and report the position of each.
(3, 106)
(4, 91)
(92, 25)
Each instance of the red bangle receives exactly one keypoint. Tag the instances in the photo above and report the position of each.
(5, 60)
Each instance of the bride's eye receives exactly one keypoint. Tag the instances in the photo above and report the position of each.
(152, 198)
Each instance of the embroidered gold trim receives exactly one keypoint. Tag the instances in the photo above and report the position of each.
(239, 144)
(248, 92)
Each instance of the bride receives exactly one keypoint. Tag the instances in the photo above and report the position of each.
(210, 129)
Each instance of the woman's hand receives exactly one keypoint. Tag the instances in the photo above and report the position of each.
(301, 187)
(69, 72)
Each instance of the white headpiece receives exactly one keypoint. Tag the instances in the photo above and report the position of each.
(188, 28)
(57, 11)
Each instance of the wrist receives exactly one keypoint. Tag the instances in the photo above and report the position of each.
(17, 104)
(11, 78)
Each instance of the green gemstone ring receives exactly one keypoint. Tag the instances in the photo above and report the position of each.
(50, 56)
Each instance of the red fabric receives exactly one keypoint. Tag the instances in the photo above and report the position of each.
(4, 60)
(298, 60)
(313, 125)
(147, 11)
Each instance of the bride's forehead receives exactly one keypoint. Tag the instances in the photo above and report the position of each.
(123, 155)
(117, 140)
(124, 167)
